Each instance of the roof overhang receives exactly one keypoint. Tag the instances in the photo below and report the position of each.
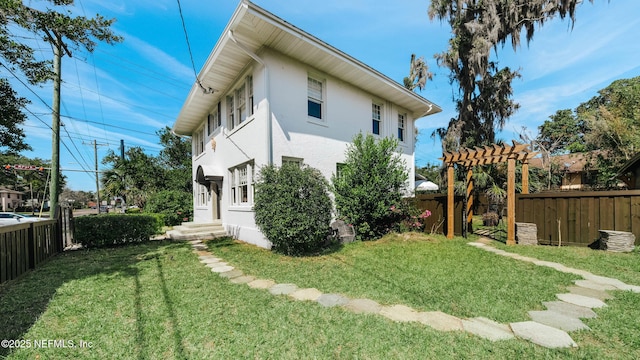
(256, 28)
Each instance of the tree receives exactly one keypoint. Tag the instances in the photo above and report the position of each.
(562, 133)
(175, 156)
(484, 100)
(369, 183)
(11, 116)
(293, 208)
(418, 74)
(57, 22)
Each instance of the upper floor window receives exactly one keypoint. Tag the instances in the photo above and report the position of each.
(401, 127)
(376, 117)
(240, 103)
(198, 142)
(314, 98)
(214, 119)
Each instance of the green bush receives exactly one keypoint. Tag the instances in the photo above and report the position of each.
(174, 205)
(293, 208)
(116, 229)
(369, 184)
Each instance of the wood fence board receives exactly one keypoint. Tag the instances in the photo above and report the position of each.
(622, 213)
(606, 213)
(635, 217)
(573, 220)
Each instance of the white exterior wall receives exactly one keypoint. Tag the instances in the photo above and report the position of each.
(321, 144)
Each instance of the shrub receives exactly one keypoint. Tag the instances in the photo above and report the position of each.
(408, 217)
(117, 229)
(370, 182)
(293, 208)
(174, 205)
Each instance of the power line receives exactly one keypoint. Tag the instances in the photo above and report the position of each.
(193, 64)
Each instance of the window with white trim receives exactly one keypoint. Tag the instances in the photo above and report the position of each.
(241, 179)
(287, 160)
(198, 142)
(240, 103)
(376, 117)
(402, 130)
(315, 99)
(339, 169)
(202, 195)
(214, 119)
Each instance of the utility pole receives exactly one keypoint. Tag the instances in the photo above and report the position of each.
(58, 47)
(95, 154)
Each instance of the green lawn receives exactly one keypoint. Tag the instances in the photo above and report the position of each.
(156, 301)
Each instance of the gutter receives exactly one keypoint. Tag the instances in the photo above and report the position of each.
(266, 93)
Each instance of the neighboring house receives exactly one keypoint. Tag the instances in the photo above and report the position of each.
(573, 167)
(630, 173)
(271, 93)
(11, 199)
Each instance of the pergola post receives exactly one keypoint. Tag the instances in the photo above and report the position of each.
(469, 199)
(511, 201)
(525, 176)
(450, 201)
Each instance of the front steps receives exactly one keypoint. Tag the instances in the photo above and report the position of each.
(197, 231)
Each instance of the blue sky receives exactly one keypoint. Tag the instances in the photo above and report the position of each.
(131, 90)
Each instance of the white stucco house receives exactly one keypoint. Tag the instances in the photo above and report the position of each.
(271, 93)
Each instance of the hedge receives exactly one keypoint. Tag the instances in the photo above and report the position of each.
(112, 230)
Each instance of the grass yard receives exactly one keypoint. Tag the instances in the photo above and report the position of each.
(156, 301)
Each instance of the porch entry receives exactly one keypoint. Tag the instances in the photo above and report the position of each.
(213, 183)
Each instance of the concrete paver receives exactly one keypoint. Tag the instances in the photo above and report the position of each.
(542, 335)
(221, 269)
(400, 313)
(310, 294)
(242, 279)
(598, 294)
(261, 284)
(231, 274)
(581, 300)
(487, 328)
(594, 285)
(558, 320)
(440, 321)
(569, 309)
(283, 289)
(330, 300)
(360, 306)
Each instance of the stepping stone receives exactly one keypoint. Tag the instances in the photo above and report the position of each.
(283, 289)
(476, 244)
(222, 269)
(242, 279)
(211, 260)
(487, 329)
(331, 300)
(634, 288)
(558, 320)
(569, 309)
(399, 313)
(604, 280)
(231, 274)
(581, 300)
(200, 247)
(553, 265)
(598, 294)
(542, 335)
(578, 272)
(216, 264)
(207, 256)
(594, 285)
(261, 284)
(440, 321)
(360, 306)
(310, 294)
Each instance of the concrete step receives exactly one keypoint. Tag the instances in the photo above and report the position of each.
(197, 231)
(187, 230)
(194, 225)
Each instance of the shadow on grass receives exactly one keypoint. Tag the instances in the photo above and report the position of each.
(24, 300)
(228, 241)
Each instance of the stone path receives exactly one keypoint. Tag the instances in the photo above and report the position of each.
(548, 328)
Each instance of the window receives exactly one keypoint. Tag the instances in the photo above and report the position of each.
(314, 94)
(198, 142)
(241, 178)
(214, 121)
(401, 127)
(376, 116)
(339, 169)
(202, 195)
(286, 160)
(237, 109)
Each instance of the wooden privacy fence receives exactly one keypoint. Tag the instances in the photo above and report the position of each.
(576, 217)
(437, 204)
(24, 246)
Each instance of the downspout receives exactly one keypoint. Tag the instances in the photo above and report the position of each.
(255, 57)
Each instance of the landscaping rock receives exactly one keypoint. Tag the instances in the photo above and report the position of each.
(344, 231)
(526, 234)
(617, 241)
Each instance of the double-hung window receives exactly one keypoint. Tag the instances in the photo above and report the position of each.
(241, 179)
(198, 142)
(376, 117)
(240, 103)
(202, 195)
(401, 127)
(214, 121)
(314, 98)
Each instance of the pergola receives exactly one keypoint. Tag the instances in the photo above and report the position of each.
(485, 156)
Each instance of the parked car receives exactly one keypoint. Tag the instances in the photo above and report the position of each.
(9, 218)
